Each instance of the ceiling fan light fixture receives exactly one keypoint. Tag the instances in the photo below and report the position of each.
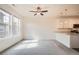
(39, 11)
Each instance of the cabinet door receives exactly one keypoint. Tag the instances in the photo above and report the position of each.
(74, 41)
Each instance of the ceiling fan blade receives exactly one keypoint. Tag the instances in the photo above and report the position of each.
(35, 14)
(41, 14)
(32, 11)
(45, 11)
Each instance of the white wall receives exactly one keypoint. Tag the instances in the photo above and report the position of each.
(39, 27)
(9, 41)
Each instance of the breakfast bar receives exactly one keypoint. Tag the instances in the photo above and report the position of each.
(68, 38)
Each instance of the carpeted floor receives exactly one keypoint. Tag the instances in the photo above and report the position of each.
(39, 47)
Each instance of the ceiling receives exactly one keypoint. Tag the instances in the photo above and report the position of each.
(53, 9)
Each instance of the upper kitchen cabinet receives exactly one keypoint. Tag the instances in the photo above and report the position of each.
(67, 16)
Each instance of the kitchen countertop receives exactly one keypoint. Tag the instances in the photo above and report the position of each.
(66, 31)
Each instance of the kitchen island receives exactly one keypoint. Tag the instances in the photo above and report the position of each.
(68, 38)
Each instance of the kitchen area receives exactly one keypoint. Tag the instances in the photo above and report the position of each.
(67, 32)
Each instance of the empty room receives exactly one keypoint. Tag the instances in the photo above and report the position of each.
(39, 29)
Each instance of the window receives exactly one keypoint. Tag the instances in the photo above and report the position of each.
(4, 24)
(15, 25)
(9, 25)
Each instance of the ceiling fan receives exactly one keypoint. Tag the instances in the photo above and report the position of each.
(39, 11)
